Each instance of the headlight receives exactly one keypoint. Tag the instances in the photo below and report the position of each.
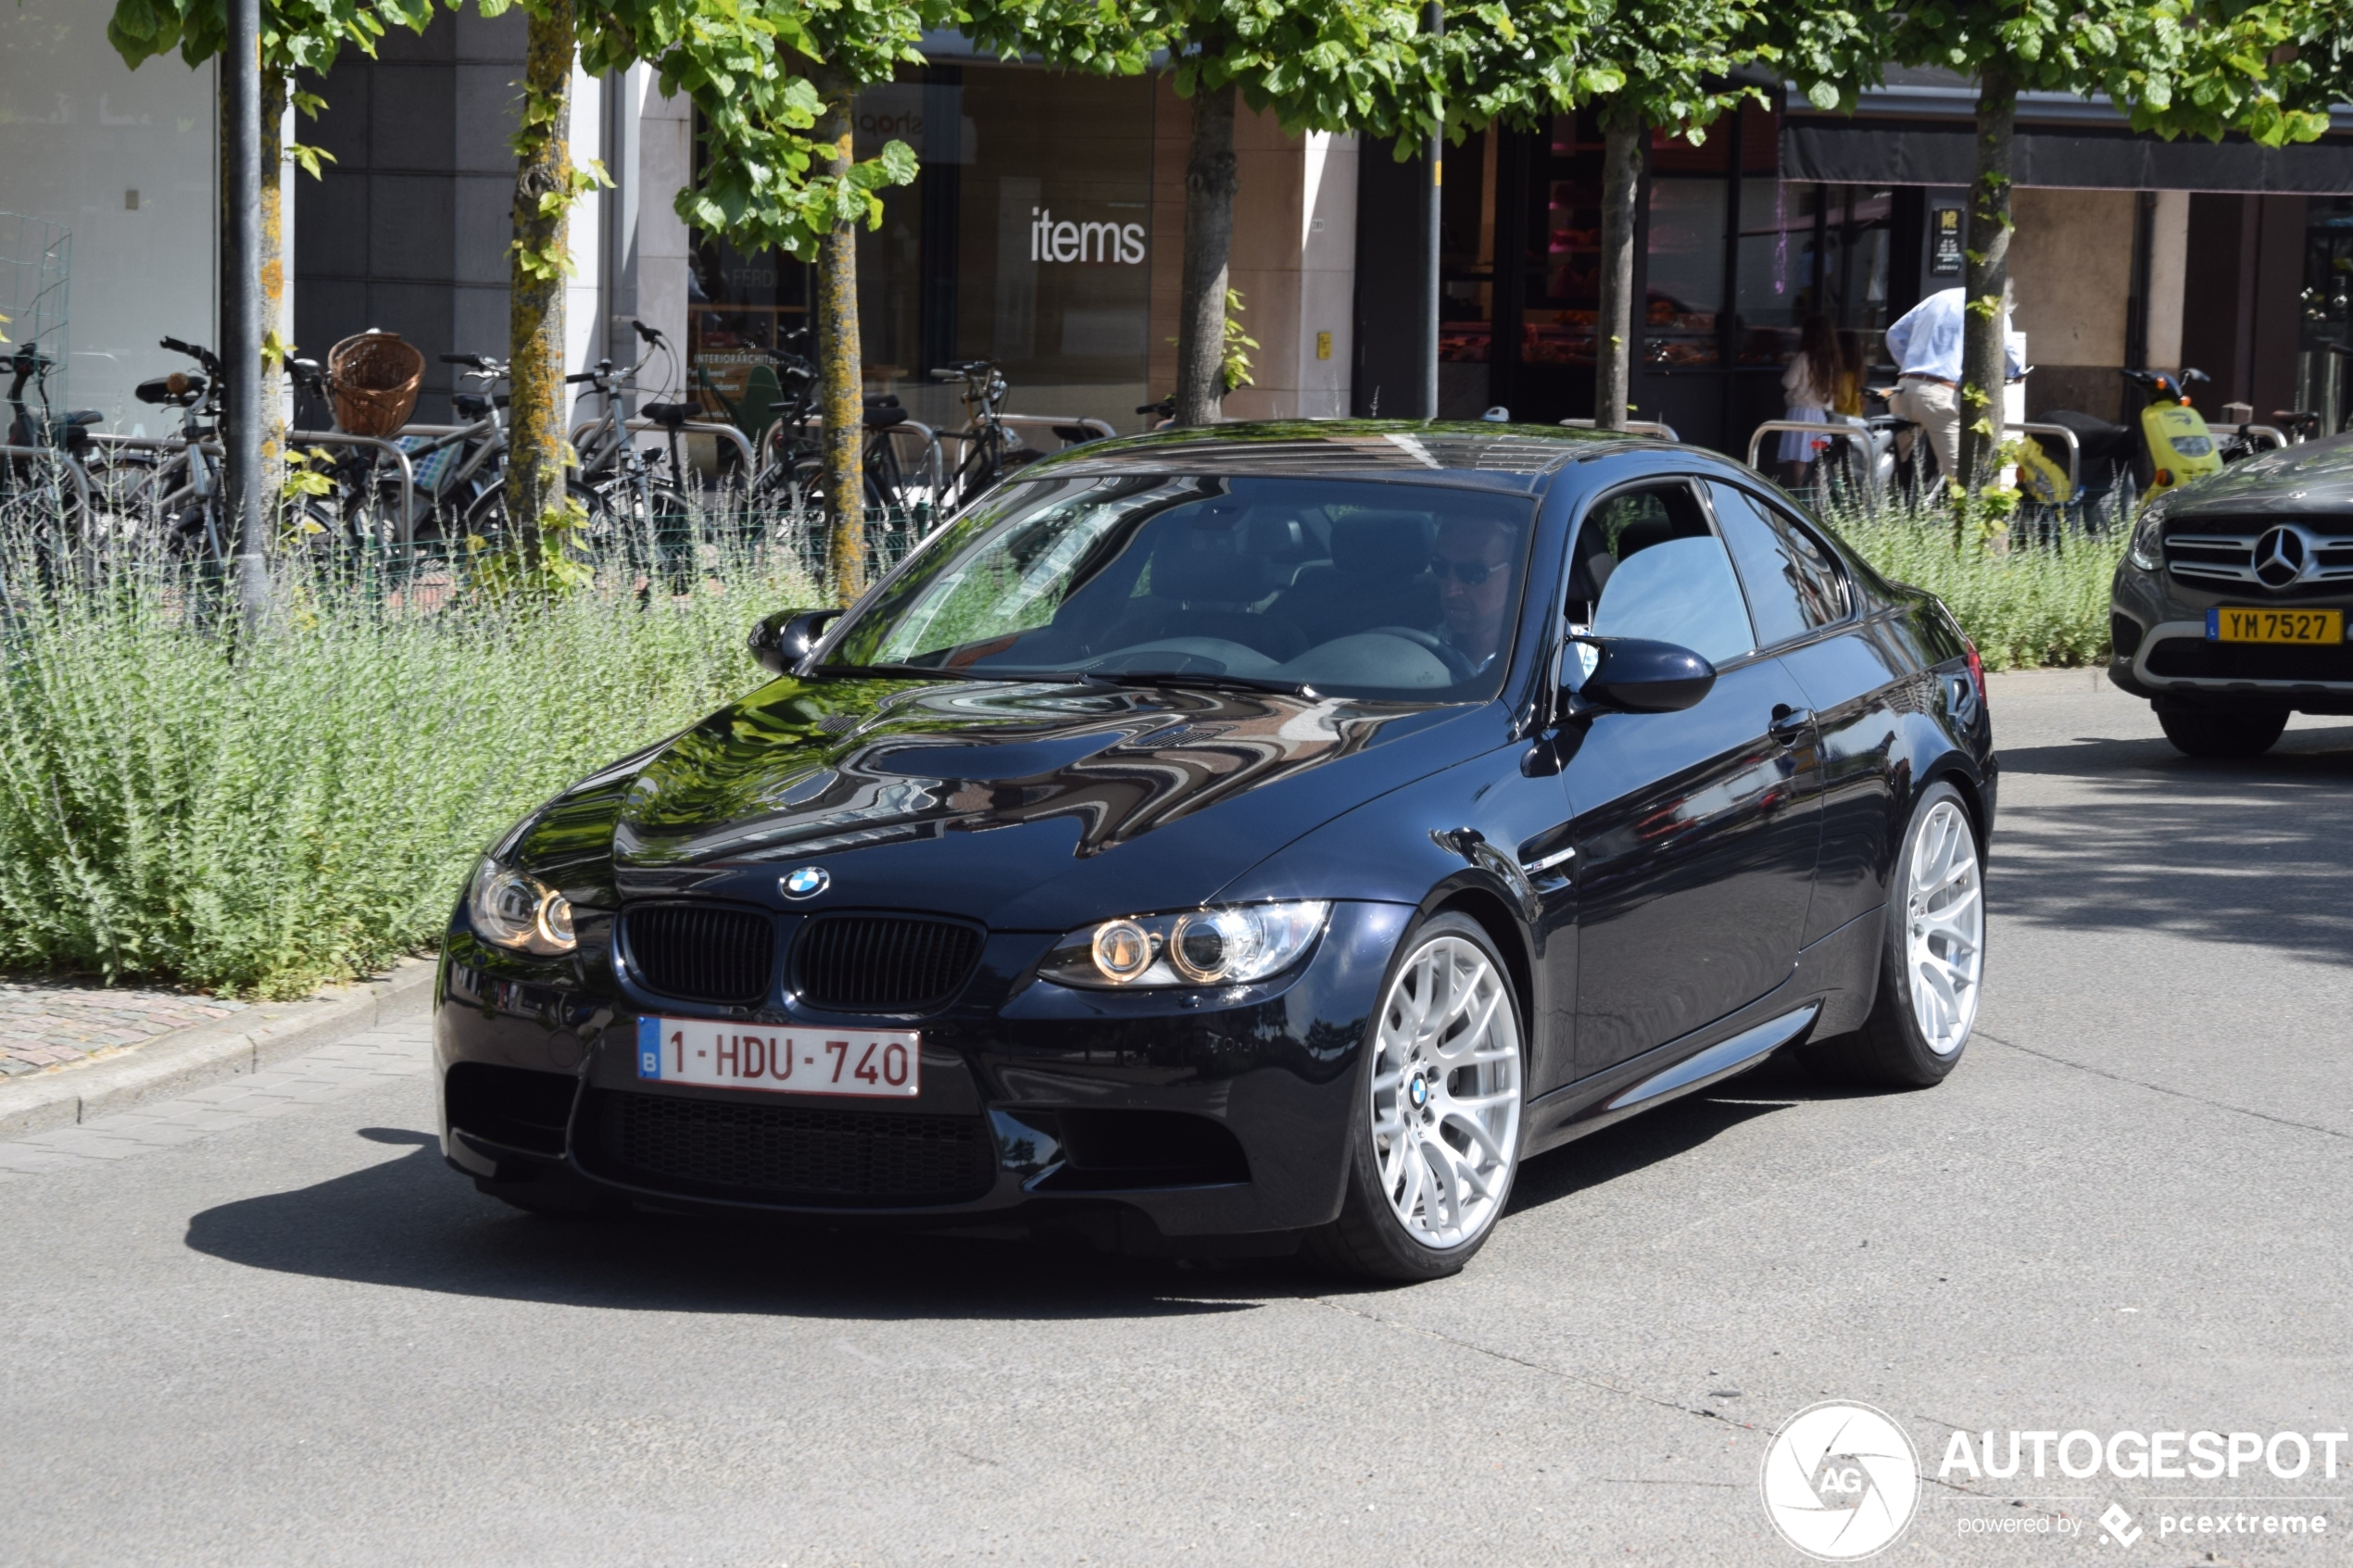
(2149, 549)
(512, 910)
(1230, 945)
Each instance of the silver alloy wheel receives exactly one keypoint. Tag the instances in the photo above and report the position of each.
(1944, 928)
(1446, 1092)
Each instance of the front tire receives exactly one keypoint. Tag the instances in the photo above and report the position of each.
(1434, 1133)
(1932, 957)
(2205, 733)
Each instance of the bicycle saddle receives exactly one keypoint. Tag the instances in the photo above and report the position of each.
(178, 390)
(886, 416)
(670, 416)
(82, 417)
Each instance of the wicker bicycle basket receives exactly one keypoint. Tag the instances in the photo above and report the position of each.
(375, 377)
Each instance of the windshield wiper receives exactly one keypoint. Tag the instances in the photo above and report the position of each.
(1197, 678)
(926, 671)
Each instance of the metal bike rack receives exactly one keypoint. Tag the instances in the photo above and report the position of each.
(407, 469)
(691, 427)
(1805, 427)
(2065, 437)
(1633, 427)
(300, 438)
(2272, 433)
(76, 479)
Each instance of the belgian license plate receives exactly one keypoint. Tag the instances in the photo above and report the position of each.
(795, 1061)
(2227, 624)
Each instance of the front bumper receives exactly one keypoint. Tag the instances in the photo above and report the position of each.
(2176, 664)
(2162, 653)
(1203, 1112)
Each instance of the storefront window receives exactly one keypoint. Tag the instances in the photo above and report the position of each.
(1026, 239)
(2322, 377)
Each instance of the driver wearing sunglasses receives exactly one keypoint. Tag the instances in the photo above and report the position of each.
(1474, 572)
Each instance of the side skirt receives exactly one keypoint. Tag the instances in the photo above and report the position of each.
(1830, 993)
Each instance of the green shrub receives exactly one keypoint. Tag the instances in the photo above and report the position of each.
(2042, 601)
(258, 811)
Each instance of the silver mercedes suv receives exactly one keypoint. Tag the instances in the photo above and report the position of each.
(2230, 609)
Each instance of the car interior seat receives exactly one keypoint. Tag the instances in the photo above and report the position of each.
(1207, 583)
(1379, 575)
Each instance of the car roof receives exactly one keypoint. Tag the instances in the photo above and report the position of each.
(1498, 456)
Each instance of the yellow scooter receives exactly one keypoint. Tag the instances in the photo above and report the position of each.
(2176, 445)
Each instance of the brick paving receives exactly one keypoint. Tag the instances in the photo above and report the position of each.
(330, 1072)
(45, 1025)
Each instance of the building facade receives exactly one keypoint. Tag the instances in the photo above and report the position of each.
(1044, 231)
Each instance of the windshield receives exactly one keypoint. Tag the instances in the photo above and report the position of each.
(1339, 586)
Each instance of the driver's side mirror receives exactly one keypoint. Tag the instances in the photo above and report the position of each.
(1636, 675)
(780, 641)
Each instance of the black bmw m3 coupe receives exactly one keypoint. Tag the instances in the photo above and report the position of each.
(1239, 839)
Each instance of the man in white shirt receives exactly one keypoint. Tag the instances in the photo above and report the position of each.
(1926, 346)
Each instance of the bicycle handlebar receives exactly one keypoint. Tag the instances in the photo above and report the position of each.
(648, 334)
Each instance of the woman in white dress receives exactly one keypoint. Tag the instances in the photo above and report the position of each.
(1810, 386)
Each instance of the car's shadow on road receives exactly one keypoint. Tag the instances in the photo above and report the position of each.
(2251, 853)
(409, 1223)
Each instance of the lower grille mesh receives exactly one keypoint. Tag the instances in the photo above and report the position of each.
(784, 1154)
(2195, 659)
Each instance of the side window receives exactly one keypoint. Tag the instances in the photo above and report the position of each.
(1648, 565)
(1793, 582)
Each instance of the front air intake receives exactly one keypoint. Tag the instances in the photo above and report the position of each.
(700, 952)
(883, 963)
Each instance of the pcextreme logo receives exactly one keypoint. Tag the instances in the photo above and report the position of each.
(1840, 1481)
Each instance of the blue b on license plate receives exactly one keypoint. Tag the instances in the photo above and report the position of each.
(877, 1065)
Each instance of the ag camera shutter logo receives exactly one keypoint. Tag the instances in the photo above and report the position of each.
(1840, 1481)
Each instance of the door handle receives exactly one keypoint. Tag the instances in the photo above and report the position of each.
(1790, 724)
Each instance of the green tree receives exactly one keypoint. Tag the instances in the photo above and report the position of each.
(1317, 65)
(773, 175)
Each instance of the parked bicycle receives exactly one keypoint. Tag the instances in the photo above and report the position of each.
(45, 487)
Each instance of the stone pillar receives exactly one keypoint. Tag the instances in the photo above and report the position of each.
(1293, 260)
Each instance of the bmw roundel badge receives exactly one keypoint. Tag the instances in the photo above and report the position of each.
(805, 882)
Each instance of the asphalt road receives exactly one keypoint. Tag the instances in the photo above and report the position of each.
(267, 1326)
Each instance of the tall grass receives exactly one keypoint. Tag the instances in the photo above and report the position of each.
(256, 812)
(2041, 599)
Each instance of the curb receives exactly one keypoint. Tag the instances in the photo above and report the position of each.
(204, 1053)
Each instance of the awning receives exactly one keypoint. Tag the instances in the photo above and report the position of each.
(1909, 152)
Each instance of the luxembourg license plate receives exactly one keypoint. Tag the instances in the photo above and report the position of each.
(795, 1061)
(2227, 624)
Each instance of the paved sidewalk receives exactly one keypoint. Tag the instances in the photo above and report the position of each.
(47, 1023)
(330, 1072)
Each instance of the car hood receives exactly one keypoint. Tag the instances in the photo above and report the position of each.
(1024, 806)
(2314, 477)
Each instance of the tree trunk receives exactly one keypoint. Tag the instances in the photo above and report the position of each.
(841, 381)
(1209, 235)
(536, 277)
(1987, 283)
(1614, 327)
(273, 154)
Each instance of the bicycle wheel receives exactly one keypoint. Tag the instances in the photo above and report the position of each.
(653, 527)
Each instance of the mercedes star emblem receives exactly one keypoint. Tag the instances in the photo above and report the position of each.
(2279, 558)
(805, 882)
